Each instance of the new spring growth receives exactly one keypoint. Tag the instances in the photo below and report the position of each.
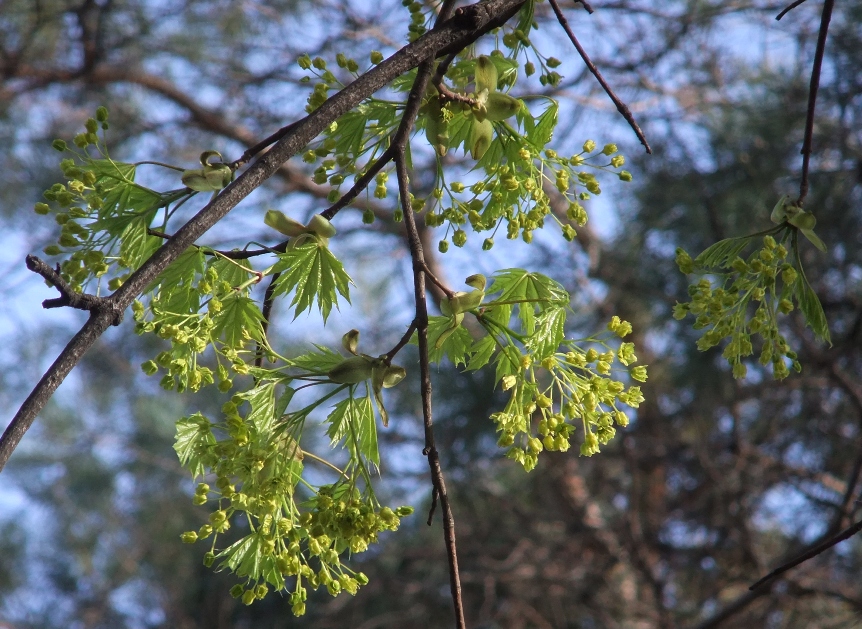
(360, 367)
(454, 307)
(212, 177)
(318, 228)
(799, 218)
(490, 105)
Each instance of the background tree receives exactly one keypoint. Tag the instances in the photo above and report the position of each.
(714, 483)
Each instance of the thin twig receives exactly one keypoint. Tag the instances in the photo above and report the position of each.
(434, 280)
(820, 548)
(417, 254)
(588, 7)
(360, 184)
(268, 300)
(242, 254)
(69, 297)
(405, 338)
(825, 17)
(789, 8)
(621, 106)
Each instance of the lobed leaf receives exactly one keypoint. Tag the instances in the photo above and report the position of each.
(314, 273)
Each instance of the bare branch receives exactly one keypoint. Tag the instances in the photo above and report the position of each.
(621, 106)
(811, 553)
(825, 17)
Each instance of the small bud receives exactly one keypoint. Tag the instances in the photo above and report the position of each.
(376, 57)
(443, 246)
(487, 244)
(189, 537)
(59, 145)
(368, 216)
(589, 146)
(102, 114)
(609, 149)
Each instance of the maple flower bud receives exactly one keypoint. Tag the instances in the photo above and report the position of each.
(189, 537)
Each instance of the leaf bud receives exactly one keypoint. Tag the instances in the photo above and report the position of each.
(351, 370)
(486, 74)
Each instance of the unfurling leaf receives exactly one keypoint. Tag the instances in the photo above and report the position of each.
(280, 222)
(501, 106)
(352, 370)
(211, 178)
(436, 127)
(350, 340)
(486, 74)
(481, 134)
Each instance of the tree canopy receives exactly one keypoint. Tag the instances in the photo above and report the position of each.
(350, 237)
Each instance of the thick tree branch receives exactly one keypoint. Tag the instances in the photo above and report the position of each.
(466, 26)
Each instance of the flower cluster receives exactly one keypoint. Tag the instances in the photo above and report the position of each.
(722, 309)
(512, 194)
(573, 387)
(257, 469)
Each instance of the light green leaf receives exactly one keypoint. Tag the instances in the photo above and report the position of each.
(549, 333)
(481, 352)
(243, 556)
(239, 319)
(722, 253)
(136, 245)
(319, 362)
(234, 272)
(455, 346)
(814, 239)
(811, 308)
(352, 420)
(262, 401)
(313, 273)
(545, 126)
(193, 438)
(530, 292)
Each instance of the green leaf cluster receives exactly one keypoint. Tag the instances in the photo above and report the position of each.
(557, 384)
